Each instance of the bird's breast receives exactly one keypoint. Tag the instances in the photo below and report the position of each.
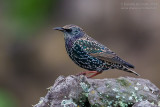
(84, 60)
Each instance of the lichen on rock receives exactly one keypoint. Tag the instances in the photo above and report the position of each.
(79, 91)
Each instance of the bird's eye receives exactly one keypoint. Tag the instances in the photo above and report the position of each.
(68, 30)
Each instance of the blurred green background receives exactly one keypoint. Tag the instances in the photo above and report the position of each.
(32, 54)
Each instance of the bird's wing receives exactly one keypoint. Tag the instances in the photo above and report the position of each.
(95, 49)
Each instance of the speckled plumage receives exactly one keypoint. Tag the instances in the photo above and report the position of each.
(90, 54)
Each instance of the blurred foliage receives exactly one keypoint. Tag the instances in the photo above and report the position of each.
(6, 99)
(27, 16)
(33, 55)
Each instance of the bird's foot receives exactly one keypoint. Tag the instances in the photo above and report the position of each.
(86, 72)
(94, 75)
(89, 72)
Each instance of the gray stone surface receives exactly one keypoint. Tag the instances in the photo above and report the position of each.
(144, 104)
(79, 91)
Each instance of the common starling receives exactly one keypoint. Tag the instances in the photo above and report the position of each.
(90, 54)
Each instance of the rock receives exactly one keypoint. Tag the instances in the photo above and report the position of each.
(79, 91)
(144, 104)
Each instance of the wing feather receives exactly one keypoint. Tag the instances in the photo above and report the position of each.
(96, 49)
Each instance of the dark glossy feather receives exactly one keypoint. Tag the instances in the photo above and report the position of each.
(90, 54)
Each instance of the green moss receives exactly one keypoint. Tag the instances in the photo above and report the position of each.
(123, 82)
(96, 105)
(83, 97)
(83, 101)
(108, 100)
(65, 103)
(108, 85)
(122, 104)
(85, 86)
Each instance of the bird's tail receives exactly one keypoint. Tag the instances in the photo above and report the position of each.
(128, 65)
(129, 70)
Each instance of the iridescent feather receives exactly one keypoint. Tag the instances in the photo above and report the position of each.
(90, 54)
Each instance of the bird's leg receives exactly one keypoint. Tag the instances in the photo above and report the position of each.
(94, 74)
(89, 72)
(86, 72)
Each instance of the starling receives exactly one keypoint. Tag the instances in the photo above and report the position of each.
(90, 54)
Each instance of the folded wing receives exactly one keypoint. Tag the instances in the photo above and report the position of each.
(95, 49)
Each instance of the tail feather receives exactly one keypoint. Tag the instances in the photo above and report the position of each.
(128, 65)
(129, 70)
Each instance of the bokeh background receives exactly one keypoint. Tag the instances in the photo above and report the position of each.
(32, 54)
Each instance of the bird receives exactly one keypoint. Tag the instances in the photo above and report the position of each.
(90, 54)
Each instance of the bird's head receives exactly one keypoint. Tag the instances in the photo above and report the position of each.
(71, 31)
